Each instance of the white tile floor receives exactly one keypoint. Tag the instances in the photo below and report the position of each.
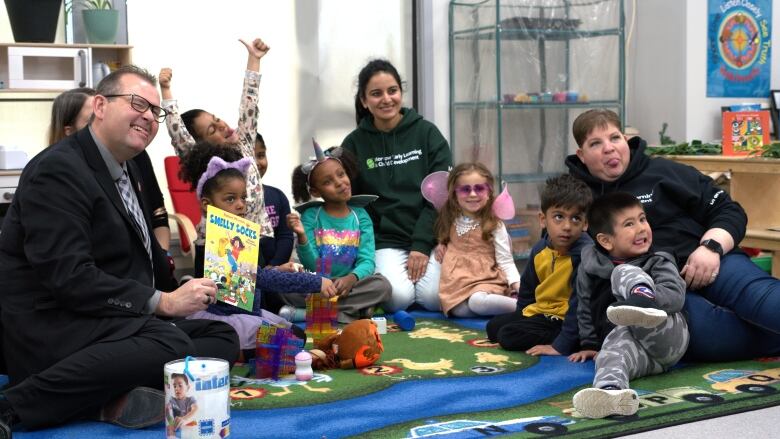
(757, 424)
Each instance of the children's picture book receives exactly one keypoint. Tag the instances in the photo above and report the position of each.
(744, 131)
(232, 246)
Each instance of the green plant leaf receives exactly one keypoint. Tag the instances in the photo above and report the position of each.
(97, 4)
(695, 147)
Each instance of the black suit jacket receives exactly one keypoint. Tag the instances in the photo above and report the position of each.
(73, 268)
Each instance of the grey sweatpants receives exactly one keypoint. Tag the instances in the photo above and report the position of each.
(366, 293)
(630, 352)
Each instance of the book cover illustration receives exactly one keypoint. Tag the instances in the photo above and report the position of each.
(744, 132)
(232, 247)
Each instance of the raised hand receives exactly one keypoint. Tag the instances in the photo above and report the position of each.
(295, 224)
(164, 78)
(256, 50)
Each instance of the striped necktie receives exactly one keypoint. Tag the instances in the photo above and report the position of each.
(133, 209)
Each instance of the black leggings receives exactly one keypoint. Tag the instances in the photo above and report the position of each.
(515, 332)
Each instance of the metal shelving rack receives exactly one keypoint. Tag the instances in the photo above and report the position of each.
(524, 143)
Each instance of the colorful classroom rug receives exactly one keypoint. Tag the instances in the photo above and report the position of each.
(445, 380)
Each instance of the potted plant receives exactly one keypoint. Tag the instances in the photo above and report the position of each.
(33, 21)
(101, 21)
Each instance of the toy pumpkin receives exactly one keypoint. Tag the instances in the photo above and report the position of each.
(356, 346)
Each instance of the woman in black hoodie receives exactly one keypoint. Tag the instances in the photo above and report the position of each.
(732, 305)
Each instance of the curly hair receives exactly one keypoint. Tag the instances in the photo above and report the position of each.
(300, 181)
(451, 210)
(195, 162)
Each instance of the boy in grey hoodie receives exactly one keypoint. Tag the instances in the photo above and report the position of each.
(630, 299)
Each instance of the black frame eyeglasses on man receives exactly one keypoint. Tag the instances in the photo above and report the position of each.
(140, 105)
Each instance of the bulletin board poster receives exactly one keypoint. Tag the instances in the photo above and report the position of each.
(738, 52)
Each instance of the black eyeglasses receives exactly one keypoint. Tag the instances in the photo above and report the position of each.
(140, 105)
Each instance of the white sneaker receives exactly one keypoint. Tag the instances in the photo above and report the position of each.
(627, 315)
(599, 403)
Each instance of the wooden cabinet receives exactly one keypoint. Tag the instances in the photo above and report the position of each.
(755, 185)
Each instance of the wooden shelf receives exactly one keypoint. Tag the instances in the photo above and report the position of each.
(25, 111)
(55, 69)
(718, 163)
(755, 185)
(51, 45)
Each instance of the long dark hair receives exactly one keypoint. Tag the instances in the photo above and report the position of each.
(366, 73)
(188, 119)
(65, 110)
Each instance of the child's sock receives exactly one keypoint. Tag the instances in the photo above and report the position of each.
(638, 309)
(600, 403)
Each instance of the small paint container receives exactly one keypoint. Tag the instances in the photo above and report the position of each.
(381, 324)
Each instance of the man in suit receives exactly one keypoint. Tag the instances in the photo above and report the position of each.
(83, 277)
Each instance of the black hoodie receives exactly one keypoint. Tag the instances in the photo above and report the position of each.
(681, 203)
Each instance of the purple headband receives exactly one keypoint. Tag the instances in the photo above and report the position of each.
(319, 157)
(216, 165)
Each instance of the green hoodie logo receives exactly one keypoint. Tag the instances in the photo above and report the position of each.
(370, 163)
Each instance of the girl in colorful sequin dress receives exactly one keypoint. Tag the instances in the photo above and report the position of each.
(335, 235)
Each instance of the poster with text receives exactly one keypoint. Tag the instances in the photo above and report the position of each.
(738, 52)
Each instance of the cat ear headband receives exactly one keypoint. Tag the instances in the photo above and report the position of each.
(319, 157)
(216, 165)
(434, 189)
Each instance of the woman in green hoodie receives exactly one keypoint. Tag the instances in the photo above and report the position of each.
(395, 149)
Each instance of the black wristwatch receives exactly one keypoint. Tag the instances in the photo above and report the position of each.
(713, 245)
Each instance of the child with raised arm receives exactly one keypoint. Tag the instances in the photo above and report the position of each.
(478, 272)
(218, 176)
(194, 125)
(630, 303)
(545, 321)
(335, 238)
